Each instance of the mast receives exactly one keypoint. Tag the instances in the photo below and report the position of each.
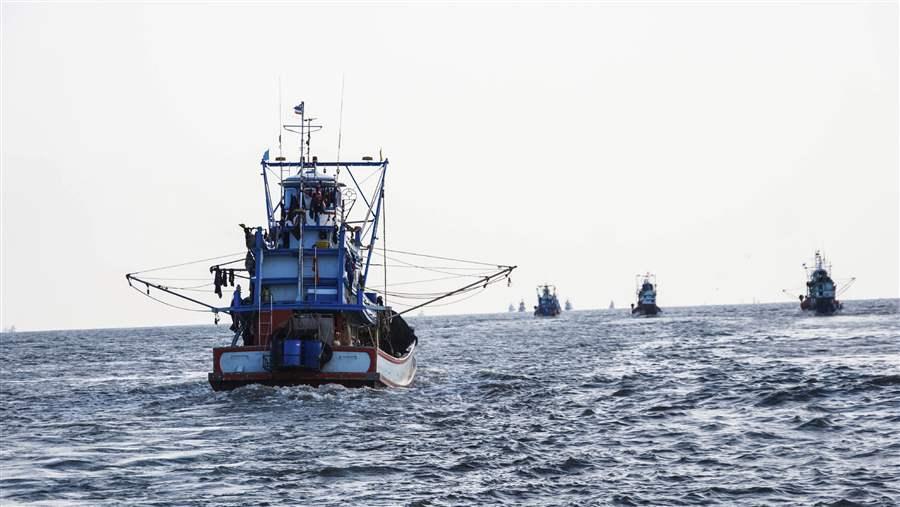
(300, 110)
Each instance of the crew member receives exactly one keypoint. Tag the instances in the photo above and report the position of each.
(235, 303)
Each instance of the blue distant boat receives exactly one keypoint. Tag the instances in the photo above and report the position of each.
(548, 303)
(646, 296)
(821, 290)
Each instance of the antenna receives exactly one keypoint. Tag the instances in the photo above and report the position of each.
(280, 121)
(340, 121)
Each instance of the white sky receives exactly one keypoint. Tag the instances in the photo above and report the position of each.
(717, 145)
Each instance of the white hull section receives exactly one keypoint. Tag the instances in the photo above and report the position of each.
(397, 372)
(387, 369)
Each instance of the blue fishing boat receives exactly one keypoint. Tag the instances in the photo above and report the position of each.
(646, 296)
(569, 306)
(548, 304)
(311, 315)
(821, 290)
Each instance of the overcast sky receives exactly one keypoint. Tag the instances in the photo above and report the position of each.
(716, 145)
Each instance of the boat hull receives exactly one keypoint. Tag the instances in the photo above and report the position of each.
(822, 306)
(645, 309)
(349, 366)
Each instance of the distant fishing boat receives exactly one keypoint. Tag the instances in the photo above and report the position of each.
(522, 305)
(568, 306)
(548, 303)
(511, 308)
(10, 329)
(612, 306)
(312, 315)
(646, 296)
(821, 290)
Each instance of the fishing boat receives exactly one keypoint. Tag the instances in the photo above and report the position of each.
(511, 308)
(568, 306)
(821, 290)
(548, 304)
(612, 306)
(522, 305)
(312, 315)
(646, 296)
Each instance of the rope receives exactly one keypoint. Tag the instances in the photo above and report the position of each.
(425, 295)
(191, 262)
(448, 259)
(429, 280)
(408, 265)
(426, 268)
(479, 290)
(189, 279)
(167, 304)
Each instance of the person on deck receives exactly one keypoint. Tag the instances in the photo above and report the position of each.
(235, 303)
(317, 206)
(294, 224)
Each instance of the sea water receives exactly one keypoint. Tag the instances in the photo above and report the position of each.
(733, 405)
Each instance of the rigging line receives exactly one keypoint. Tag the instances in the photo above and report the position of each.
(205, 291)
(341, 120)
(280, 119)
(846, 286)
(426, 295)
(384, 233)
(187, 263)
(470, 296)
(132, 278)
(413, 282)
(375, 195)
(499, 275)
(367, 178)
(421, 267)
(455, 301)
(193, 287)
(411, 295)
(190, 279)
(231, 262)
(449, 259)
(440, 292)
(359, 188)
(477, 291)
(167, 304)
(493, 266)
(424, 292)
(480, 270)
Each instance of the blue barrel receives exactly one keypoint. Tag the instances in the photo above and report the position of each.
(291, 356)
(312, 353)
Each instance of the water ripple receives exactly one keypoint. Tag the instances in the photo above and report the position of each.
(735, 405)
